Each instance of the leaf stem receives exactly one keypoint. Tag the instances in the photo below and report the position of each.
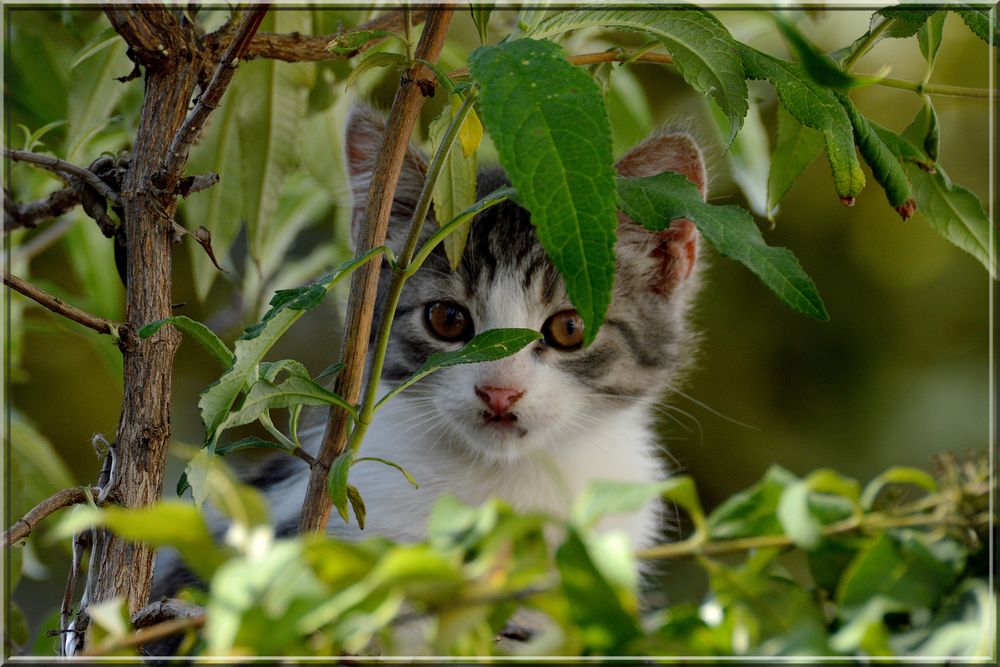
(922, 88)
(401, 273)
(861, 49)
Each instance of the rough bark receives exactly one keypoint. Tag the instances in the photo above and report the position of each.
(415, 84)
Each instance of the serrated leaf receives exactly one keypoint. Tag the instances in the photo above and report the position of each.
(373, 60)
(924, 130)
(656, 201)
(978, 20)
(264, 396)
(331, 370)
(287, 307)
(902, 148)
(955, 213)
(548, 121)
(337, 485)
(350, 42)
(815, 107)
(489, 345)
(271, 110)
(703, 50)
(820, 67)
(896, 475)
(220, 208)
(885, 164)
(929, 36)
(455, 188)
(198, 331)
(796, 147)
(269, 370)
(391, 464)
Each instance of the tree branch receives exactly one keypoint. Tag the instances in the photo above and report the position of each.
(310, 48)
(189, 132)
(58, 306)
(22, 527)
(28, 215)
(148, 635)
(364, 282)
(65, 169)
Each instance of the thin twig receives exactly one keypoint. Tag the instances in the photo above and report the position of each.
(164, 610)
(58, 306)
(147, 635)
(22, 527)
(364, 283)
(190, 130)
(65, 168)
(311, 48)
(29, 214)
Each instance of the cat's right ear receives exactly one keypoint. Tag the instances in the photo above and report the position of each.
(362, 141)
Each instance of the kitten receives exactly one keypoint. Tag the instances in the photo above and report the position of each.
(536, 427)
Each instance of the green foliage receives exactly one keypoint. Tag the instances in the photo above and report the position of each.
(796, 147)
(548, 122)
(198, 332)
(656, 201)
(455, 189)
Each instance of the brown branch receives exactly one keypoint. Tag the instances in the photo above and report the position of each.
(164, 610)
(148, 635)
(66, 169)
(58, 306)
(364, 281)
(189, 132)
(22, 527)
(310, 48)
(29, 214)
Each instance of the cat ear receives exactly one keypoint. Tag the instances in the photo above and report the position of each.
(362, 141)
(673, 251)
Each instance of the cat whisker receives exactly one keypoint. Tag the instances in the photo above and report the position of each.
(709, 408)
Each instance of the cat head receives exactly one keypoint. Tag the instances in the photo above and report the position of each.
(553, 390)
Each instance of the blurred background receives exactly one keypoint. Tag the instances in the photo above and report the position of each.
(900, 372)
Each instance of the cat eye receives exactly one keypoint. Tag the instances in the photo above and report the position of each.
(448, 321)
(564, 330)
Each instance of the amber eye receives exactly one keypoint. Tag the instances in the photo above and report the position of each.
(448, 321)
(564, 330)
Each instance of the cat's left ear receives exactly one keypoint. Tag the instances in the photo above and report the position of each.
(674, 251)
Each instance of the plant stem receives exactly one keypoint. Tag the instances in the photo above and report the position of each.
(922, 88)
(401, 273)
(60, 307)
(867, 44)
(22, 528)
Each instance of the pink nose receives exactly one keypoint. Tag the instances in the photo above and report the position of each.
(499, 399)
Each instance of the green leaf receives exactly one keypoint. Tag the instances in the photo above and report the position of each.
(264, 396)
(954, 212)
(815, 107)
(198, 331)
(40, 470)
(603, 497)
(96, 44)
(227, 448)
(391, 464)
(287, 307)
(211, 480)
(17, 632)
(752, 512)
(269, 370)
(886, 165)
(481, 17)
(902, 570)
(681, 490)
(796, 520)
(168, 523)
(896, 475)
(929, 36)
(331, 370)
(924, 130)
(548, 122)
(220, 208)
(703, 50)
(350, 42)
(796, 147)
(978, 20)
(455, 188)
(489, 345)
(337, 486)
(272, 107)
(902, 148)
(748, 156)
(913, 14)
(594, 606)
(373, 60)
(357, 504)
(656, 201)
(821, 68)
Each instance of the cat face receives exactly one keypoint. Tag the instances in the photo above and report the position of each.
(554, 390)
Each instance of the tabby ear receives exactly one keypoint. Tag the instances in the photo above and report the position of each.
(362, 141)
(674, 251)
